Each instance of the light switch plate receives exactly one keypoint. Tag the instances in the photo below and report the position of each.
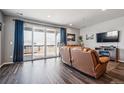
(11, 43)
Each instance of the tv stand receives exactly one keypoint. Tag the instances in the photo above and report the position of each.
(113, 51)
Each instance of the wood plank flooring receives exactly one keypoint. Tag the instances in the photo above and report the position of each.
(52, 71)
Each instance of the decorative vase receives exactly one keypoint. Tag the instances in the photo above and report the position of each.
(82, 44)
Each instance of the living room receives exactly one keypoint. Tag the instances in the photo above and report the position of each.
(48, 42)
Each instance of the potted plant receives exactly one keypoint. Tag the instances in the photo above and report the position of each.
(80, 40)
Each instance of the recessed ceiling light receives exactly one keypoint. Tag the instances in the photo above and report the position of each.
(48, 16)
(70, 24)
(104, 9)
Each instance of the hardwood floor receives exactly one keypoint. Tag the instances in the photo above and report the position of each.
(52, 71)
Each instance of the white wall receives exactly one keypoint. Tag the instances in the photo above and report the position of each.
(9, 34)
(0, 48)
(1, 17)
(73, 31)
(1, 21)
(115, 24)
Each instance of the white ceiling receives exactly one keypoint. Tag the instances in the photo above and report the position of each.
(77, 17)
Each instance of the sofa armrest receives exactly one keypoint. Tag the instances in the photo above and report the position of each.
(100, 67)
(104, 59)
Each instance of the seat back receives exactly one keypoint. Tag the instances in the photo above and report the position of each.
(95, 57)
(84, 60)
(65, 54)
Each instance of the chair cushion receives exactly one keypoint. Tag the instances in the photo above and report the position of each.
(103, 59)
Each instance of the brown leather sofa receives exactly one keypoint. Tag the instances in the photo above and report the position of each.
(65, 54)
(85, 60)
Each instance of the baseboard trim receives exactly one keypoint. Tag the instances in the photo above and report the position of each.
(6, 63)
(120, 60)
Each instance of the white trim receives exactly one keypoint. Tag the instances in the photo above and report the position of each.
(6, 63)
(121, 60)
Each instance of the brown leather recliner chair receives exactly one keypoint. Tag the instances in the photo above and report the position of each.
(88, 61)
(65, 54)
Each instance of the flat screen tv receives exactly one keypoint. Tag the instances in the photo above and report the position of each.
(112, 36)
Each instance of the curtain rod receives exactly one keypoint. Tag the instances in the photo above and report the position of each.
(40, 23)
(44, 24)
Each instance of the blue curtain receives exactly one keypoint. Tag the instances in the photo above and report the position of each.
(19, 41)
(63, 36)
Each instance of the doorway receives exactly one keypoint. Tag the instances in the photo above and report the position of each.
(40, 42)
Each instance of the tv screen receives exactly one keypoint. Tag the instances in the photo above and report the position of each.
(112, 36)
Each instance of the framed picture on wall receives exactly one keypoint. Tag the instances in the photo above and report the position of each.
(89, 37)
(0, 26)
(70, 37)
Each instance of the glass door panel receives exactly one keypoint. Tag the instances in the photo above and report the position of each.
(50, 51)
(27, 44)
(38, 43)
(57, 42)
(50, 43)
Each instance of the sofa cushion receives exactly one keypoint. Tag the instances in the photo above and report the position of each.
(103, 59)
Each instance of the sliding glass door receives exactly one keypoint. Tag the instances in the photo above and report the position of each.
(28, 48)
(40, 42)
(57, 42)
(50, 42)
